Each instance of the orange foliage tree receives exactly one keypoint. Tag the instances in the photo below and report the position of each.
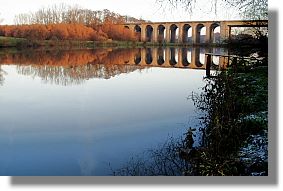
(53, 31)
(61, 22)
(119, 32)
(103, 22)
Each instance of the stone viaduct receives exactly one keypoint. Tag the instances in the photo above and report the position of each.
(160, 32)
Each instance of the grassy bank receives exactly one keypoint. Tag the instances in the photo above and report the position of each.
(8, 42)
(11, 42)
(20, 43)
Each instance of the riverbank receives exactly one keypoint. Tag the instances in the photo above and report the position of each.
(233, 113)
(21, 43)
(235, 123)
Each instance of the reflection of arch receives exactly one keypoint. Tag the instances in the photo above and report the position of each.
(201, 60)
(195, 58)
(126, 27)
(138, 31)
(149, 33)
(160, 56)
(138, 57)
(172, 57)
(215, 37)
(161, 33)
(200, 38)
(186, 30)
(186, 57)
(173, 32)
(199, 64)
(148, 56)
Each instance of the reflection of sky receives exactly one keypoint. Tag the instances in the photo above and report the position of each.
(56, 130)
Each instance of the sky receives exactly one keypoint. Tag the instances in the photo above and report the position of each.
(146, 9)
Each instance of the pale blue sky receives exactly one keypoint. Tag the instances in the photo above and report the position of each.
(147, 9)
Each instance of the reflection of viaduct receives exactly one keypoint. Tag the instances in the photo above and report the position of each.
(173, 57)
(74, 67)
(167, 31)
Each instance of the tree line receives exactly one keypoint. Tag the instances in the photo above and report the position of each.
(72, 14)
(64, 31)
(62, 22)
(248, 9)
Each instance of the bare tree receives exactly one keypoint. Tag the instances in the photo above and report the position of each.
(253, 9)
(23, 18)
(71, 15)
(2, 73)
(249, 9)
(1, 20)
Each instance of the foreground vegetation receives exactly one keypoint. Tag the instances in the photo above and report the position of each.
(235, 105)
(234, 122)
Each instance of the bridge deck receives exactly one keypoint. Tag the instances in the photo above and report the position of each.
(262, 22)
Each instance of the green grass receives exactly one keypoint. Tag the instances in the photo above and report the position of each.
(11, 42)
(6, 42)
(22, 43)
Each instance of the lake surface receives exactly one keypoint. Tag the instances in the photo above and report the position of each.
(85, 112)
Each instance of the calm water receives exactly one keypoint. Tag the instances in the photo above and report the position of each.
(82, 112)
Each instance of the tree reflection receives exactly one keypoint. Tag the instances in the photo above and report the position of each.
(71, 67)
(2, 72)
(66, 67)
(161, 161)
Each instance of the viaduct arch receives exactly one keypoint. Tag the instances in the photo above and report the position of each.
(177, 32)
